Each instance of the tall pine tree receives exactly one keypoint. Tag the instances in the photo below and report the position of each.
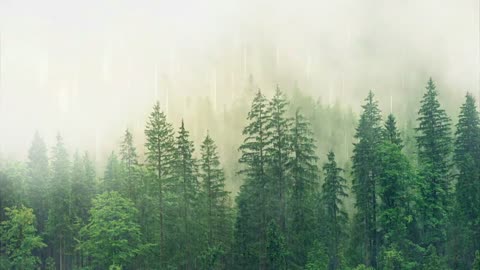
(252, 217)
(304, 173)
(434, 149)
(333, 192)
(160, 154)
(467, 161)
(365, 173)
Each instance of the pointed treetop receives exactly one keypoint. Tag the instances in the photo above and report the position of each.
(391, 133)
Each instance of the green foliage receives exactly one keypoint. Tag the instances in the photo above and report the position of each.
(317, 258)
(112, 236)
(333, 192)
(217, 217)
(276, 249)
(365, 173)
(19, 238)
(434, 146)
(304, 173)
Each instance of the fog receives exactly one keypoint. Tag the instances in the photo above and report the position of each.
(89, 69)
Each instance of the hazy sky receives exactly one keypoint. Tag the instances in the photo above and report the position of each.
(89, 69)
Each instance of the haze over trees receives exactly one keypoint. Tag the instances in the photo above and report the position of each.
(401, 197)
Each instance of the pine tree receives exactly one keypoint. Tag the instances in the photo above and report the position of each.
(333, 193)
(304, 173)
(467, 161)
(160, 151)
(129, 158)
(252, 217)
(37, 182)
(185, 171)
(112, 174)
(216, 202)
(433, 141)
(395, 178)
(278, 154)
(365, 173)
(60, 211)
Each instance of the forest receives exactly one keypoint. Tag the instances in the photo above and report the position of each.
(406, 198)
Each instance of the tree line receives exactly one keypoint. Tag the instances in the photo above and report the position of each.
(171, 210)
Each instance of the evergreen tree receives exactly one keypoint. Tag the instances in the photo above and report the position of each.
(60, 211)
(278, 152)
(20, 239)
(129, 158)
(334, 190)
(216, 202)
(252, 217)
(304, 173)
(433, 140)
(37, 182)
(395, 178)
(112, 174)
(160, 155)
(276, 248)
(365, 173)
(467, 161)
(185, 171)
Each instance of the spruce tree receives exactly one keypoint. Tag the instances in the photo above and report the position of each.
(37, 182)
(467, 161)
(160, 154)
(60, 214)
(112, 174)
(215, 199)
(304, 173)
(365, 178)
(434, 147)
(185, 173)
(129, 158)
(333, 192)
(395, 179)
(252, 217)
(278, 154)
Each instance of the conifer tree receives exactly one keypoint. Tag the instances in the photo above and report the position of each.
(365, 173)
(112, 174)
(60, 215)
(129, 158)
(333, 193)
(467, 161)
(37, 182)
(160, 154)
(395, 180)
(252, 217)
(304, 173)
(434, 147)
(278, 153)
(215, 200)
(185, 171)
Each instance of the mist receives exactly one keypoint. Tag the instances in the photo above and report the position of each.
(89, 69)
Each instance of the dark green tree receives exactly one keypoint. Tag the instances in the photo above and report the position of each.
(303, 171)
(278, 153)
(160, 150)
(252, 218)
(434, 149)
(467, 161)
(365, 177)
(334, 190)
(185, 173)
(113, 174)
(216, 201)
